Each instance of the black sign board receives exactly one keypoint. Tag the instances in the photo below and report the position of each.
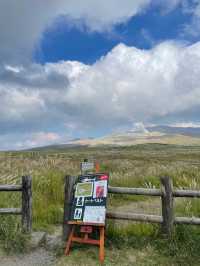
(89, 201)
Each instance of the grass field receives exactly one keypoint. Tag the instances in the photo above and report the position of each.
(135, 166)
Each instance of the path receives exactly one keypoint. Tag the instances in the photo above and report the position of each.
(38, 257)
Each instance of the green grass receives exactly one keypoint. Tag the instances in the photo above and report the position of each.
(140, 244)
(12, 239)
(136, 166)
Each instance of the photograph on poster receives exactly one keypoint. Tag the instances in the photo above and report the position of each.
(84, 189)
(94, 214)
(77, 213)
(80, 201)
(100, 189)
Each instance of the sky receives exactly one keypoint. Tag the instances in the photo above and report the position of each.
(76, 69)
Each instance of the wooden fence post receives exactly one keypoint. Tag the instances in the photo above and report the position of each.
(167, 206)
(27, 204)
(68, 196)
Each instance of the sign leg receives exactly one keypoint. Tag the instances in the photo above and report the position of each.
(101, 249)
(69, 241)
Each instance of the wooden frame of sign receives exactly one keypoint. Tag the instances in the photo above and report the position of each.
(88, 211)
(85, 230)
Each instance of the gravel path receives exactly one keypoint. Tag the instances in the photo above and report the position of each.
(38, 257)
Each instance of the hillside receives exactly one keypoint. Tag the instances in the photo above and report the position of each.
(131, 138)
(151, 135)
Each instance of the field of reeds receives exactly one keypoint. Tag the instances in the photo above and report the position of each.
(136, 166)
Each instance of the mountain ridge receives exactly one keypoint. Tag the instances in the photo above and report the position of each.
(188, 136)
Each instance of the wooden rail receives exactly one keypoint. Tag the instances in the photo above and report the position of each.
(10, 188)
(10, 211)
(167, 194)
(26, 211)
(135, 191)
(153, 192)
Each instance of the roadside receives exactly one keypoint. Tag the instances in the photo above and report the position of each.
(38, 257)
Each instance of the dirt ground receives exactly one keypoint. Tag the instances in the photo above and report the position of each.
(38, 257)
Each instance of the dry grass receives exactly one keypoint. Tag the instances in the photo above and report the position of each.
(137, 166)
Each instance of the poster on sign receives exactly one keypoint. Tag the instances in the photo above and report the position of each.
(100, 189)
(94, 214)
(89, 202)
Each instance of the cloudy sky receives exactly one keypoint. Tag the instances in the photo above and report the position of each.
(73, 68)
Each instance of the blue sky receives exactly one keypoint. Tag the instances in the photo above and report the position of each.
(67, 42)
(76, 68)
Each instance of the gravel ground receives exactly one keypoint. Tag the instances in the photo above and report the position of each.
(39, 257)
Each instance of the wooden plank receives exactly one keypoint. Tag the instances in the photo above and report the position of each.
(16, 211)
(167, 206)
(26, 204)
(68, 197)
(186, 193)
(10, 188)
(84, 223)
(101, 244)
(134, 217)
(187, 220)
(153, 192)
(85, 241)
(151, 218)
(135, 191)
(69, 241)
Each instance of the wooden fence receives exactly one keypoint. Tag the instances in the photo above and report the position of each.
(26, 210)
(166, 193)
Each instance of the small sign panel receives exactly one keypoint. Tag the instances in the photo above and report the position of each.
(89, 202)
(84, 189)
(96, 214)
(87, 166)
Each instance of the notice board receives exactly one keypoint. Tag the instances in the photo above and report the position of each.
(89, 201)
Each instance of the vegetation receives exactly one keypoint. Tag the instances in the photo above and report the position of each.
(136, 166)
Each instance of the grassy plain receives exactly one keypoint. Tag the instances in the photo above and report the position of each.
(134, 166)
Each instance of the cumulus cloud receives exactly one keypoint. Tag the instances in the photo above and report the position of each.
(126, 86)
(127, 81)
(23, 22)
(29, 140)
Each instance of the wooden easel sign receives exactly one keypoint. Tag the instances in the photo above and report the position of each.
(88, 210)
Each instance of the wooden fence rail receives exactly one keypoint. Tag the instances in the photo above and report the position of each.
(26, 210)
(153, 192)
(166, 193)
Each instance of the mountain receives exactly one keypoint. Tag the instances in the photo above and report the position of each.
(139, 135)
(187, 131)
(131, 138)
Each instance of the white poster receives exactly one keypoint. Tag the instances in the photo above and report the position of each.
(94, 214)
(100, 189)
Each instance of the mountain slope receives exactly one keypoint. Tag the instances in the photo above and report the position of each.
(127, 139)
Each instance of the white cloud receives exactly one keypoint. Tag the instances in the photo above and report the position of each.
(23, 22)
(126, 86)
(138, 127)
(39, 139)
(29, 140)
(186, 124)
